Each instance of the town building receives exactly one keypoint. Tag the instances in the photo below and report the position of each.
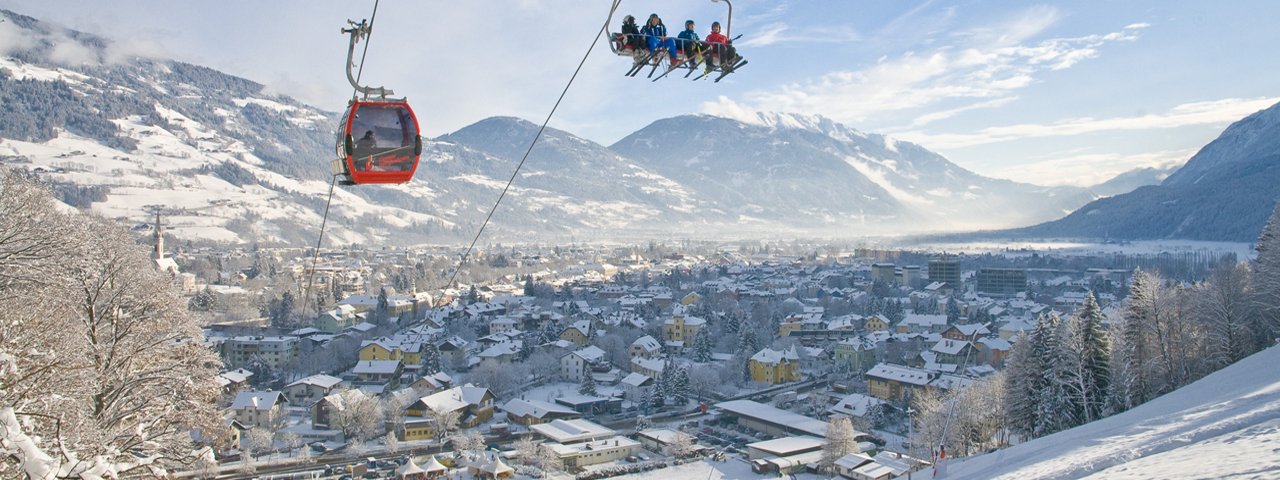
(775, 366)
(1001, 282)
(894, 383)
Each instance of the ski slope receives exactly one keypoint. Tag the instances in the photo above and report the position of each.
(1226, 425)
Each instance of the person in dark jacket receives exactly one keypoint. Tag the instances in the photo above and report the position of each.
(688, 40)
(631, 33)
(656, 36)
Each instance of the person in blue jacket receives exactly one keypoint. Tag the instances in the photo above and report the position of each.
(656, 35)
(688, 40)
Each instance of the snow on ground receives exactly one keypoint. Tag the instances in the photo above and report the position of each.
(25, 71)
(728, 469)
(864, 166)
(1225, 425)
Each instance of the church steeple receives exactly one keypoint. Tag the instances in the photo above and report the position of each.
(159, 253)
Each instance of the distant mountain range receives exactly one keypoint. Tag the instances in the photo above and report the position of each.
(1225, 192)
(228, 162)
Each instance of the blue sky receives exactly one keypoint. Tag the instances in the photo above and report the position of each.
(1049, 93)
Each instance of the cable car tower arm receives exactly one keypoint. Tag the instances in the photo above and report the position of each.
(357, 32)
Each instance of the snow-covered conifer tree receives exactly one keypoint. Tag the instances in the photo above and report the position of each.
(1025, 377)
(1265, 327)
(702, 345)
(1092, 379)
(680, 386)
(430, 358)
(1055, 409)
(588, 386)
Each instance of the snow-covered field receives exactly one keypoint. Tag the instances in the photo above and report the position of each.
(1226, 425)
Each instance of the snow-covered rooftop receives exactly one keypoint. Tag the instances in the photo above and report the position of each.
(569, 431)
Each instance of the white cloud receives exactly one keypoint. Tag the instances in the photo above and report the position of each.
(990, 63)
(126, 49)
(1213, 112)
(68, 51)
(779, 33)
(13, 38)
(1090, 169)
(945, 114)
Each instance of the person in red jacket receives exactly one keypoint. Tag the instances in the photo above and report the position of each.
(722, 46)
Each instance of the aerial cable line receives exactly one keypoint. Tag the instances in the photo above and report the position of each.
(315, 254)
(604, 30)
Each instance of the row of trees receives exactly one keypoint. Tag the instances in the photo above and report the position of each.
(1070, 371)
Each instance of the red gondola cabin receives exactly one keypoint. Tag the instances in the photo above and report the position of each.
(380, 143)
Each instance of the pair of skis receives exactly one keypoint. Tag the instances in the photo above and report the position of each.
(644, 62)
(724, 71)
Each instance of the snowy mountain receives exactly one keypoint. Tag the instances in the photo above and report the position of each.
(1225, 192)
(811, 171)
(229, 161)
(1132, 180)
(1225, 425)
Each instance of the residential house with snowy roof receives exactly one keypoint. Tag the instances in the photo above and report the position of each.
(579, 363)
(955, 352)
(474, 405)
(875, 323)
(893, 383)
(681, 328)
(649, 367)
(533, 412)
(259, 409)
(775, 366)
(993, 351)
(309, 390)
(378, 372)
(634, 385)
(919, 323)
(578, 332)
(970, 332)
(858, 354)
(645, 347)
(233, 382)
(501, 353)
(856, 405)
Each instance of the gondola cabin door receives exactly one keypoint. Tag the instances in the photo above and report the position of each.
(380, 142)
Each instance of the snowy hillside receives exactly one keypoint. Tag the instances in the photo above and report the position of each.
(1226, 425)
(1223, 193)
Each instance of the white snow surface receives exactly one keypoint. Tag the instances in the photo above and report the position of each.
(1226, 425)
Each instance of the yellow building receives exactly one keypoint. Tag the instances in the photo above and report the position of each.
(876, 324)
(775, 366)
(790, 325)
(473, 404)
(579, 333)
(406, 353)
(681, 328)
(691, 299)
